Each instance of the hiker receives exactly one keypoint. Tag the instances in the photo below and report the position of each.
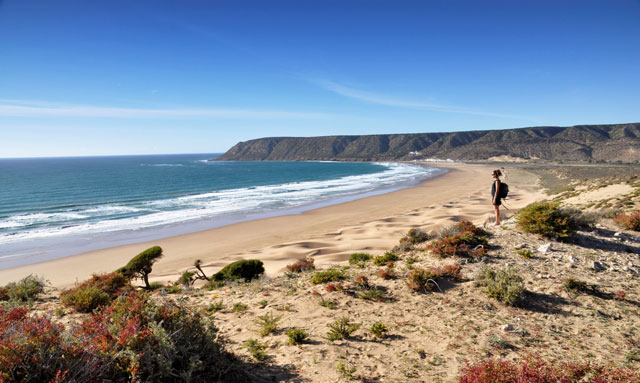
(496, 194)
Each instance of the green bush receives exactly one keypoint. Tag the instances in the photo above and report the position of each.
(388, 257)
(140, 265)
(243, 269)
(97, 291)
(341, 328)
(546, 219)
(297, 336)
(575, 286)
(412, 238)
(186, 279)
(357, 258)
(267, 323)
(85, 298)
(331, 275)
(256, 349)
(504, 285)
(26, 289)
(379, 330)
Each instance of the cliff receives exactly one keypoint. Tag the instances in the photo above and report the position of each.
(619, 142)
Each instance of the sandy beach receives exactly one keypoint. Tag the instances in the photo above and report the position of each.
(330, 234)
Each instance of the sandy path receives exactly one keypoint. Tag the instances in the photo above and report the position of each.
(330, 234)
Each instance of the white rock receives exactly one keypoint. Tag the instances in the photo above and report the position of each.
(544, 248)
(521, 246)
(617, 234)
(574, 260)
(625, 268)
(507, 327)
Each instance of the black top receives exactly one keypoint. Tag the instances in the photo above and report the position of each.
(493, 193)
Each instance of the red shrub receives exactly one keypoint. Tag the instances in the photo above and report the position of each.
(133, 339)
(301, 265)
(532, 369)
(468, 241)
(384, 274)
(630, 222)
(620, 294)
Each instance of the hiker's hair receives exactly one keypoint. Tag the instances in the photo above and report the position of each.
(497, 173)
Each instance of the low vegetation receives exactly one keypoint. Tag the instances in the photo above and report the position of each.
(412, 238)
(243, 270)
(379, 330)
(25, 290)
(296, 336)
(267, 323)
(547, 220)
(301, 265)
(533, 369)
(504, 285)
(341, 328)
(629, 221)
(133, 339)
(331, 275)
(463, 239)
(388, 258)
(359, 258)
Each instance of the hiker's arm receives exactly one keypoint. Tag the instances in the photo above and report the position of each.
(497, 193)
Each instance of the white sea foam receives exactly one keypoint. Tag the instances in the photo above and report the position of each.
(108, 218)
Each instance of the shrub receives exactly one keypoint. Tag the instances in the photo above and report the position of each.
(413, 237)
(358, 258)
(97, 291)
(620, 294)
(463, 239)
(534, 369)
(328, 303)
(525, 253)
(85, 298)
(386, 274)
(296, 336)
(140, 265)
(301, 265)
(629, 222)
(256, 349)
(546, 219)
(379, 330)
(244, 269)
(373, 294)
(388, 257)
(504, 285)
(341, 328)
(267, 323)
(239, 307)
(186, 279)
(418, 280)
(215, 306)
(133, 339)
(575, 286)
(362, 281)
(26, 289)
(331, 275)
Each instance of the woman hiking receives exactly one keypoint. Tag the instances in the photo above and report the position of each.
(495, 194)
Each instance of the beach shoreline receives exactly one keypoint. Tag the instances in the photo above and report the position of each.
(328, 234)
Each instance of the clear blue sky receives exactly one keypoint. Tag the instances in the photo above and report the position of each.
(100, 77)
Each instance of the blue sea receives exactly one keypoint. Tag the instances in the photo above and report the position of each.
(53, 207)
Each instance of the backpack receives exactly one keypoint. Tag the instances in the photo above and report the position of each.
(504, 190)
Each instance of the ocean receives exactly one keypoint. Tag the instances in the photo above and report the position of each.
(53, 207)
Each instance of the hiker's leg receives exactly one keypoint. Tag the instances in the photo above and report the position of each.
(497, 209)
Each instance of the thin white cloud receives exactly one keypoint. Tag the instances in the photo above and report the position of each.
(21, 108)
(383, 100)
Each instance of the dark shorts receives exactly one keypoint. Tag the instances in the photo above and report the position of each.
(498, 203)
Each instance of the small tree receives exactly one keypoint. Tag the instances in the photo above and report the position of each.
(140, 265)
(199, 273)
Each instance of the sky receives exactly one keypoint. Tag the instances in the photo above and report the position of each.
(122, 77)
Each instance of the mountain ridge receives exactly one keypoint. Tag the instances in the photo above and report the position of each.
(611, 142)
